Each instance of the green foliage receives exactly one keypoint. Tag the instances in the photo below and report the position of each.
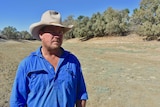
(98, 25)
(26, 35)
(12, 33)
(111, 22)
(69, 21)
(117, 21)
(146, 19)
(82, 27)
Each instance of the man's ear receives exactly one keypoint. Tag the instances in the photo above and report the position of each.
(40, 34)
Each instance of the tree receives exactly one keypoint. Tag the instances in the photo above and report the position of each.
(97, 25)
(26, 35)
(117, 22)
(146, 19)
(81, 29)
(69, 21)
(10, 32)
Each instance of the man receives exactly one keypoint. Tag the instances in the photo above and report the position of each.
(50, 76)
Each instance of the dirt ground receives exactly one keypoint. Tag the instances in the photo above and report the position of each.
(119, 71)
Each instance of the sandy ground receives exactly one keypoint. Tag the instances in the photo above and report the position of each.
(119, 71)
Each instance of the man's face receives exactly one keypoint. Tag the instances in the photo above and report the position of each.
(51, 37)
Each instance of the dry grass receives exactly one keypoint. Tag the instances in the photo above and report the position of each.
(119, 71)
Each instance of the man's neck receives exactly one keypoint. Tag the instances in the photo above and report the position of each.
(51, 53)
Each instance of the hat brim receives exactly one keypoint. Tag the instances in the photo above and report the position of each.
(34, 28)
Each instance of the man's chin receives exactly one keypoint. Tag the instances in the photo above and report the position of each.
(55, 46)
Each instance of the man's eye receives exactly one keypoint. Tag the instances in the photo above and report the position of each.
(54, 33)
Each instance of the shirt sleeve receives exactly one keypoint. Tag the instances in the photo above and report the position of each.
(81, 88)
(19, 89)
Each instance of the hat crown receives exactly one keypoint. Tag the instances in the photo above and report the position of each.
(51, 16)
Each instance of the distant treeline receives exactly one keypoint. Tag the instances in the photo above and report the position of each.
(144, 21)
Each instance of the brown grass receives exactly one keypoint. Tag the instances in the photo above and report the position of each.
(119, 71)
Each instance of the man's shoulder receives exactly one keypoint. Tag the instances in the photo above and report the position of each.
(30, 58)
(71, 55)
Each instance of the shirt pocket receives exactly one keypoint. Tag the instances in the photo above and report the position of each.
(70, 79)
(71, 76)
(38, 80)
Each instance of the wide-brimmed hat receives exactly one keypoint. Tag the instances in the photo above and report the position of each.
(49, 17)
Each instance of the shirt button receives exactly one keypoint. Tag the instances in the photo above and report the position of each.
(50, 67)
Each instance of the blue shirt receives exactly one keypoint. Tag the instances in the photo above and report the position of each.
(37, 84)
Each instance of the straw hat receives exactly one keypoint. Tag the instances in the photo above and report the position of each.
(49, 17)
